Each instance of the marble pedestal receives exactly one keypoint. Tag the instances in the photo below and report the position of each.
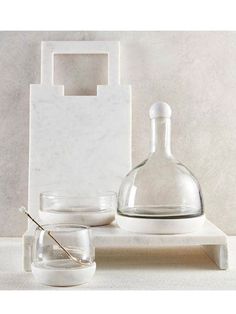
(209, 237)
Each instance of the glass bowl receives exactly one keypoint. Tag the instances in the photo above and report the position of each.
(90, 210)
(63, 255)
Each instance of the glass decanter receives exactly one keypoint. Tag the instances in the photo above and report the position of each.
(160, 195)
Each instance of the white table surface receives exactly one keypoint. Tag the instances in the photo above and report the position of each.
(172, 268)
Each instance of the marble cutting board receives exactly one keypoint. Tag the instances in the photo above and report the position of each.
(78, 142)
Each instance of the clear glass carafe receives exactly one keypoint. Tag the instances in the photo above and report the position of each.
(160, 187)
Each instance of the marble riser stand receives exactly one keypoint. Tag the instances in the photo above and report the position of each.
(209, 237)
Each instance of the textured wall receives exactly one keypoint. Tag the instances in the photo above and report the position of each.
(195, 72)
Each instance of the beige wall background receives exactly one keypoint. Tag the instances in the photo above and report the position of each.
(195, 72)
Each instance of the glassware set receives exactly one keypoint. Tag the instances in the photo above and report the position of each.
(159, 196)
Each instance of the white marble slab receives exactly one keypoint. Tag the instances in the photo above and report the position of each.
(79, 143)
(113, 236)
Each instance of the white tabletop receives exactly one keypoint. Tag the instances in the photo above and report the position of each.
(164, 268)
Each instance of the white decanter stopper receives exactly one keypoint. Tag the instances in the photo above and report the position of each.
(160, 110)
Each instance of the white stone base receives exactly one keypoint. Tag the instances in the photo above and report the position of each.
(63, 277)
(81, 218)
(160, 226)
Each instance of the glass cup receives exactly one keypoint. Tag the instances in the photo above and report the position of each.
(63, 255)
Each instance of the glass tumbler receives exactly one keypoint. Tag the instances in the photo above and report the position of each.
(63, 255)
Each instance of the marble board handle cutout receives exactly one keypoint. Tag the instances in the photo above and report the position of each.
(50, 48)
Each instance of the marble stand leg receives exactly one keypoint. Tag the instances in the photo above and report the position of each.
(27, 247)
(218, 253)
